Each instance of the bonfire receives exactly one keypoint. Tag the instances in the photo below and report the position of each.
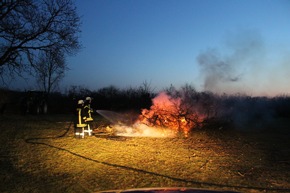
(171, 113)
(166, 117)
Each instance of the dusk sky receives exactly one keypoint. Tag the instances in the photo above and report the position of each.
(219, 45)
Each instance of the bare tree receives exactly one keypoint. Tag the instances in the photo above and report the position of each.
(28, 27)
(49, 70)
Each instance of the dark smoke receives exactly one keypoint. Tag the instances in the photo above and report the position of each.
(242, 58)
(216, 70)
(228, 72)
(249, 113)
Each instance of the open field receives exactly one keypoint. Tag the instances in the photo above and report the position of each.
(34, 157)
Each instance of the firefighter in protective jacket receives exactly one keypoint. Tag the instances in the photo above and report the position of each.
(81, 115)
(88, 109)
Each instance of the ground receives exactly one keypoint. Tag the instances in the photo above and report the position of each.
(41, 154)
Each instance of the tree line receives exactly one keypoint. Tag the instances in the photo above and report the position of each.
(236, 110)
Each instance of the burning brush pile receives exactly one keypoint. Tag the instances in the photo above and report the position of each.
(173, 113)
(168, 116)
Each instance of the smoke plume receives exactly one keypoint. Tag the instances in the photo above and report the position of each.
(242, 56)
(216, 70)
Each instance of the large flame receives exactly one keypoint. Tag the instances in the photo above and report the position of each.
(171, 113)
(166, 117)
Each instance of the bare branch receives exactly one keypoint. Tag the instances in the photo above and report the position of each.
(29, 27)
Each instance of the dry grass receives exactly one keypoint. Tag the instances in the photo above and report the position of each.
(34, 158)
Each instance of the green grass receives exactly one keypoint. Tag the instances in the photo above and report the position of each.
(34, 158)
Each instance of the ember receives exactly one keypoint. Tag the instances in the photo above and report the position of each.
(172, 113)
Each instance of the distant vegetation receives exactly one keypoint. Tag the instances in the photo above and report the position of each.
(238, 111)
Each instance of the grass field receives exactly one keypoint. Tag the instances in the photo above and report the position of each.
(34, 157)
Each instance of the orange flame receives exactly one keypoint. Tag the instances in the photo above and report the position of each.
(172, 113)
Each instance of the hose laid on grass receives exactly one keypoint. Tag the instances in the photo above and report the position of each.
(39, 142)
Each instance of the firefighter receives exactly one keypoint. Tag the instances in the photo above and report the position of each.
(81, 112)
(88, 111)
(80, 122)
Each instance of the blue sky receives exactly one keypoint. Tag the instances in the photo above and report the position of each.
(220, 45)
